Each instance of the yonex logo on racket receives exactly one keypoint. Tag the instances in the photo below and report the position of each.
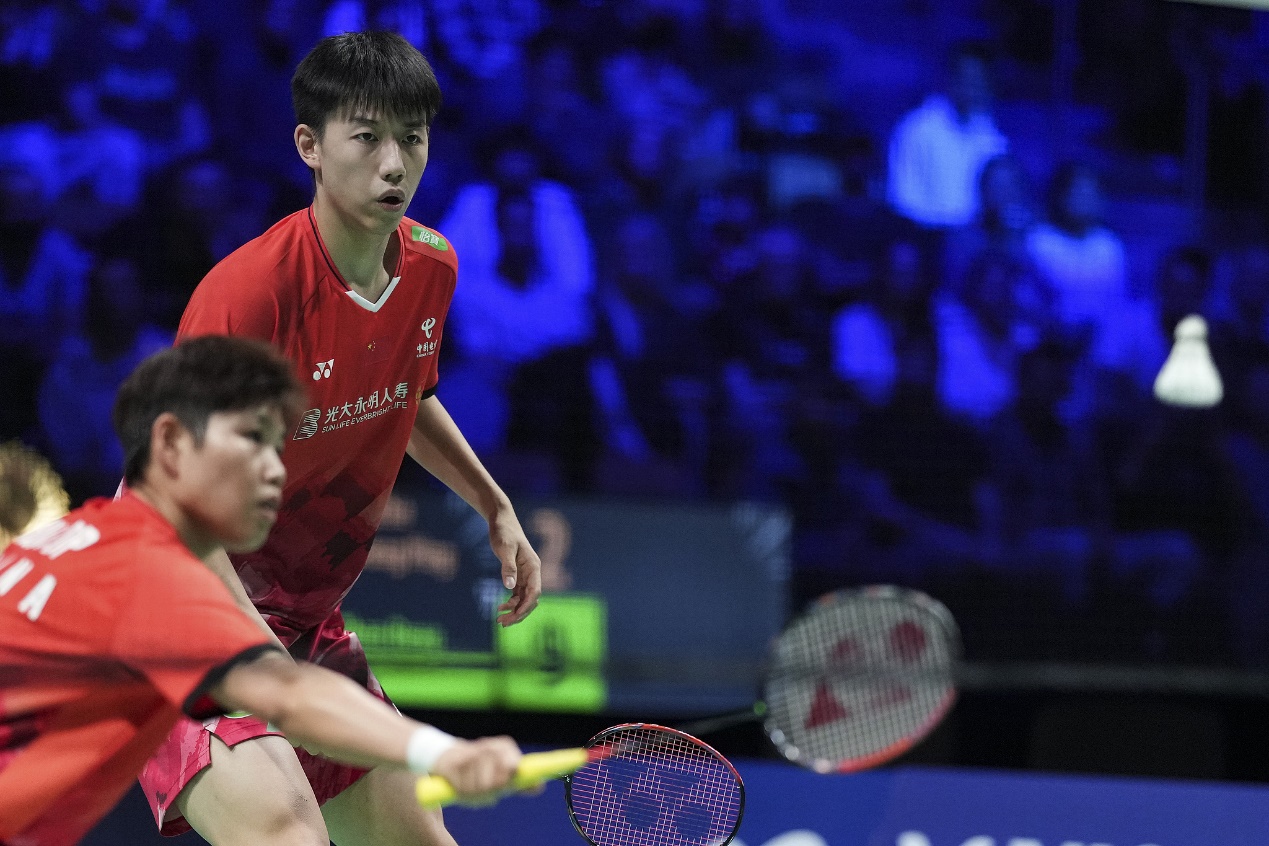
(323, 369)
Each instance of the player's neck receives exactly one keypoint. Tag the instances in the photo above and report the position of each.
(363, 258)
(197, 541)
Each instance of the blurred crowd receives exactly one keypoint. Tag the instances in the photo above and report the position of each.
(777, 250)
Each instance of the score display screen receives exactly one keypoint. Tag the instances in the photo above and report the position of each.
(646, 608)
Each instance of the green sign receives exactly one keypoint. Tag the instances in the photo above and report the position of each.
(418, 233)
(552, 661)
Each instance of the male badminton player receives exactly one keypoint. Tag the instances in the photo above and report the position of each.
(355, 295)
(111, 627)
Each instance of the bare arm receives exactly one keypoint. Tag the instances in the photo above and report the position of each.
(440, 448)
(331, 715)
(218, 562)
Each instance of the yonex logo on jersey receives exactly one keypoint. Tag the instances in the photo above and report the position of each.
(308, 425)
(323, 369)
(428, 325)
(419, 233)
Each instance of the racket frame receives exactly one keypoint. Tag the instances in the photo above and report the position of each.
(662, 734)
(931, 609)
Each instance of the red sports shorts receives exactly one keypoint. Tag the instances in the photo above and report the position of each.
(187, 749)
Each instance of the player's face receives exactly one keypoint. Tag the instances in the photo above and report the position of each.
(233, 478)
(368, 167)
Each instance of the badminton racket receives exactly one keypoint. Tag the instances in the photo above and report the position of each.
(635, 784)
(859, 678)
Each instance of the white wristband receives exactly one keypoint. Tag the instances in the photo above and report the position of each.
(426, 745)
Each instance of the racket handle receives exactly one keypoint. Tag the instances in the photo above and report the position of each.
(535, 768)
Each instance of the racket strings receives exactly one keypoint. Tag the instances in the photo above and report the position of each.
(857, 680)
(656, 788)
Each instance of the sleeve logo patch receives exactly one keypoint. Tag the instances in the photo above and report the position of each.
(427, 236)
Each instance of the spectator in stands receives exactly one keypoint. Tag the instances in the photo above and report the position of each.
(43, 271)
(566, 118)
(921, 478)
(406, 17)
(651, 372)
(983, 326)
(1005, 218)
(34, 40)
(484, 41)
(1078, 256)
(78, 390)
(522, 318)
(1083, 264)
(938, 149)
(196, 213)
(652, 96)
(136, 73)
(1055, 506)
(1177, 501)
(253, 46)
(1138, 332)
(867, 334)
(774, 360)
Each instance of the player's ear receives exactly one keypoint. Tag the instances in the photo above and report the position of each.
(168, 439)
(306, 145)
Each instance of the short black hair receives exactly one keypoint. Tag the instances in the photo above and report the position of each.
(196, 379)
(376, 72)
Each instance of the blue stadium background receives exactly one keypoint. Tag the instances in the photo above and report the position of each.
(726, 230)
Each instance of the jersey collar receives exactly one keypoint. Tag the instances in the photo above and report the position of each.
(330, 264)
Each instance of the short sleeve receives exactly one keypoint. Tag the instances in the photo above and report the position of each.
(181, 628)
(216, 309)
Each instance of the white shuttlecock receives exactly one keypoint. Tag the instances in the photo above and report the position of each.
(1189, 378)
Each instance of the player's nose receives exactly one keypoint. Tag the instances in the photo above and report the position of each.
(274, 469)
(392, 167)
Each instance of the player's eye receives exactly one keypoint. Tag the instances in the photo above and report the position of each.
(414, 139)
(364, 136)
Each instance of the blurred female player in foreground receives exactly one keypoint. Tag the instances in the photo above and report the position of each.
(91, 676)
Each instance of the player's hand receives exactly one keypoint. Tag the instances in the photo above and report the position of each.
(521, 567)
(481, 770)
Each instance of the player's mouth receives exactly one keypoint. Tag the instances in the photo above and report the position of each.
(393, 201)
(269, 506)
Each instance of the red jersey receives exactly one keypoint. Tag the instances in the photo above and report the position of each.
(91, 676)
(367, 367)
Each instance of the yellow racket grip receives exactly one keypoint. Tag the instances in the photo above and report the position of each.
(535, 768)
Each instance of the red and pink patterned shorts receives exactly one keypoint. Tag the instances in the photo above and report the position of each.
(187, 749)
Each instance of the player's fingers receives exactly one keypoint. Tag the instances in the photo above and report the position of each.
(531, 582)
(529, 590)
(521, 610)
(516, 611)
(507, 757)
(494, 768)
(509, 572)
